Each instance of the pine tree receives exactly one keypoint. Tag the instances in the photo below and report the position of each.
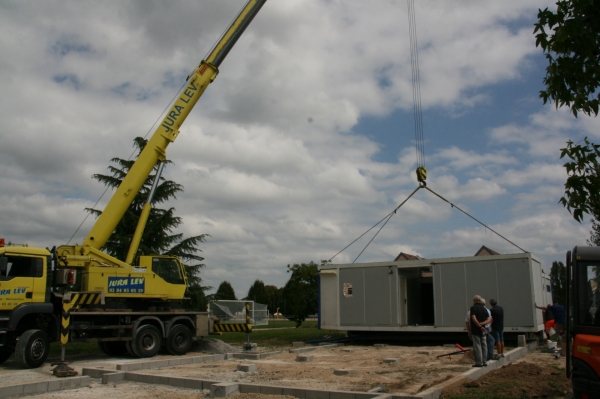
(257, 292)
(158, 237)
(225, 292)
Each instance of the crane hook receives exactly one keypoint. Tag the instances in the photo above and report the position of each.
(421, 175)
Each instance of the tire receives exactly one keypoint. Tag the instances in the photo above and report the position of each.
(129, 349)
(179, 340)
(32, 348)
(146, 341)
(4, 355)
(113, 348)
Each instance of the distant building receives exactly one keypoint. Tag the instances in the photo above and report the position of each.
(403, 256)
(485, 251)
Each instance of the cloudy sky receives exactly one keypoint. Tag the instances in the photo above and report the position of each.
(305, 139)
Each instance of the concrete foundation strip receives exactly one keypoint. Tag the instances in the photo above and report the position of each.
(125, 373)
(312, 348)
(33, 388)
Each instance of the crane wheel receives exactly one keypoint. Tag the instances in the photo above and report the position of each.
(32, 348)
(146, 341)
(4, 355)
(179, 340)
(129, 349)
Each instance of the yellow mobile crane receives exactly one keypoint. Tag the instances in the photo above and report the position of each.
(33, 314)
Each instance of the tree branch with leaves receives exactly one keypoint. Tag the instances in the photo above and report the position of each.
(570, 40)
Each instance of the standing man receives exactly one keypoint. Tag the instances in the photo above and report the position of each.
(478, 319)
(559, 314)
(489, 339)
(498, 327)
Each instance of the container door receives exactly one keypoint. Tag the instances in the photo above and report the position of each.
(380, 296)
(450, 293)
(402, 302)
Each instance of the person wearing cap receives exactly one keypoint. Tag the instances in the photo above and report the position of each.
(476, 328)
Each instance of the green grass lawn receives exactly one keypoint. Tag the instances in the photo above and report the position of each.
(281, 333)
(76, 348)
(278, 333)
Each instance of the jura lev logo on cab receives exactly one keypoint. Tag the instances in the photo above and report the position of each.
(19, 290)
(126, 285)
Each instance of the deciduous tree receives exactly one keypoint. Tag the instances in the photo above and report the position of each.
(582, 188)
(558, 279)
(570, 40)
(300, 292)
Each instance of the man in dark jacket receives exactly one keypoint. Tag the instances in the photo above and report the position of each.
(498, 327)
(477, 331)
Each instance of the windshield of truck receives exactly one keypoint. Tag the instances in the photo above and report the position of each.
(588, 301)
(168, 269)
(21, 266)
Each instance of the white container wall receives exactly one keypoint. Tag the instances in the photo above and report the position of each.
(431, 294)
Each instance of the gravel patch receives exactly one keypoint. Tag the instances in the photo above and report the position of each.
(214, 346)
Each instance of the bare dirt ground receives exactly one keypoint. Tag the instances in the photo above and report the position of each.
(536, 375)
(365, 364)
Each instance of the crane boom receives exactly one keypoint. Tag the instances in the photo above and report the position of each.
(125, 307)
(168, 130)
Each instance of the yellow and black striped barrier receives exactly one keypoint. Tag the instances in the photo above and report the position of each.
(74, 300)
(247, 328)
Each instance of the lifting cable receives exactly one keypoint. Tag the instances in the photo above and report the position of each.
(481, 223)
(388, 217)
(416, 86)
(392, 213)
(419, 140)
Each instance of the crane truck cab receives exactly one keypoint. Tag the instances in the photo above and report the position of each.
(28, 321)
(34, 312)
(583, 321)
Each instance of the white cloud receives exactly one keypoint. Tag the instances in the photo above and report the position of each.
(547, 132)
(271, 166)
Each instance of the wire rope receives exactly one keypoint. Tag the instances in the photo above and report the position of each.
(416, 85)
(419, 140)
(388, 217)
(481, 223)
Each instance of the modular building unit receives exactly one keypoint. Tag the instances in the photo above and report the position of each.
(432, 295)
